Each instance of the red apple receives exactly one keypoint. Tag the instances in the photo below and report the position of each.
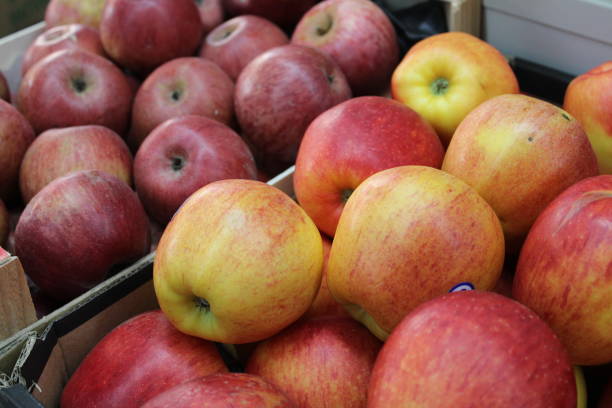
(183, 154)
(69, 36)
(285, 13)
(472, 349)
(279, 93)
(87, 12)
(142, 34)
(5, 91)
(350, 142)
(358, 35)
(564, 269)
(57, 152)
(211, 13)
(322, 362)
(233, 44)
(72, 88)
(77, 228)
(224, 390)
(183, 86)
(138, 360)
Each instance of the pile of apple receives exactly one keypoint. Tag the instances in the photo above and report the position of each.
(449, 245)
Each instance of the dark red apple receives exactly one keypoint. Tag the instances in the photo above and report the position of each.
(233, 44)
(472, 348)
(183, 154)
(224, 390)
(5, 91)
(183, 86)
(16, 135)
(279, 93)
(285, 13)
(58, 152)
(69, 36)
(87, 12)
(142, 34)
(138, 360)
(358, 35)
(350, 142)
(211, 13)
(320, 362)
(73, 88)
(79, 227)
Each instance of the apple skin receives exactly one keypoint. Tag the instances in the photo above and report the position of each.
(588, 98)
(445, 76)
(16, 135)
(351, 141)
(211, 14)
(183, 154)
(183, 86)
(58, 152)
(69, 36)
(233, 44)
(563, 273)
(223, 390)
(519, 153)
(285, 13)
(358, 35)
(5, 91)
(279, 93)
(406, 235)
(140, 35)
(87, 12)
(238, 262)
(108, 228)
(138, 360)
(72, 88)
(472, 348)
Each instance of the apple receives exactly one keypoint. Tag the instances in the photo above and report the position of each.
(78, 228)
(285, 13)
(211, 14)
(223, 390)
(351, 141)
(142, 34)
(279, 93)
(519, 153)
(183, 154)
(87, 12)
(16, 135)
(358, 35)
(139, 359)
(321, 362)
(183, 86)
(58, 152)
(472, 348)
(563, 273)
(69, 36)
(74, 87)
(408, 234)
(5, 91)
(588, 98)
(233, 44)
(444, 76)
(4, 224)
(238, 262)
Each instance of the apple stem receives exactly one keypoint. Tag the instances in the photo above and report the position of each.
(439, 86)
(79, 84)
(176, 95)
(202, 304)
(177, 163)
(346, 193)
(326, 27)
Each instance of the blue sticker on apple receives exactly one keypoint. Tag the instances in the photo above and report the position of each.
(461, 287)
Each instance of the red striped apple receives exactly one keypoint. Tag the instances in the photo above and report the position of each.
(564, 269)
(408, 234)
(519, 153)
(87, 12)
(211, 14)
(350, 142)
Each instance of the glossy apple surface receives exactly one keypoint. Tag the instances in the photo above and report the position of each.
(184, 154)
(406, 235)
(519, 153)
(138, 360)
(563, 273)
(238, 262)
(472, 348)
(87, 12)
(211, 14)
(445, 76)
(350, 142)
(358, 35)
